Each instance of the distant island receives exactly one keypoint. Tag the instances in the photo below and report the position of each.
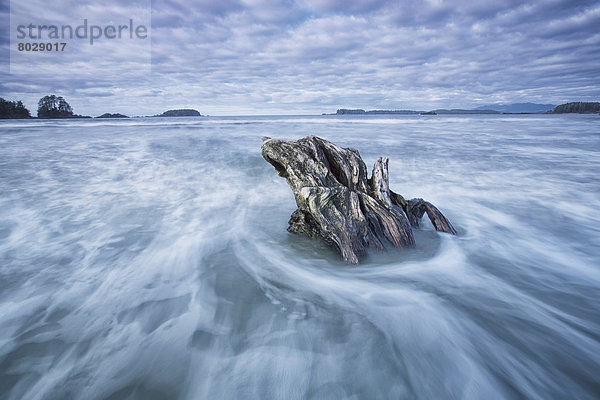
(518, 108)
(577, 108)
(109, 115)
(345, 111)
(52, 107)
(515, 108)
(13, 110)
(359, 111)
(184, 112)
(462, 111)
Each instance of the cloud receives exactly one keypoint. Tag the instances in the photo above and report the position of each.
(342, 7)
(236, 56)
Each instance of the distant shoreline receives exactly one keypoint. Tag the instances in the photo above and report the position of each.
(315, 116)
(54, 107)
(511, 109)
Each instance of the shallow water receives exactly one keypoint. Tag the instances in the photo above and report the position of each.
(148, 259)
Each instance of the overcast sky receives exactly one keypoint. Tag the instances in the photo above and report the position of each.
(233, 57)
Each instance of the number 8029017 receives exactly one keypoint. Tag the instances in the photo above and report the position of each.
(41, 46)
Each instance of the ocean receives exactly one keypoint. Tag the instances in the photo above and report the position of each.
(148, 258)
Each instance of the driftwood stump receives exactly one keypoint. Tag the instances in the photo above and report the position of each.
(340, 204)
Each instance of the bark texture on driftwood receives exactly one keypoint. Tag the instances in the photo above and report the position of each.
(338, 203)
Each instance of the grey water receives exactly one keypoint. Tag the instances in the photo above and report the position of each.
(149, 259)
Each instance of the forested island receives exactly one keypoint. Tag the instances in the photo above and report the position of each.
(52, 106)
(577, 108)
(184, 112)
(13, 110)
(109, 115)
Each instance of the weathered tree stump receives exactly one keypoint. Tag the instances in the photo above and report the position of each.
(338, 203)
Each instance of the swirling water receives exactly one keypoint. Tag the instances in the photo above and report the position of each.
(148, 259)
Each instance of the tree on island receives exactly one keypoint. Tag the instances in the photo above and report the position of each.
(13, 110)
(54, 107)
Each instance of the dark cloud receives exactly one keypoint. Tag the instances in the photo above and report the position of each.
(316, 55)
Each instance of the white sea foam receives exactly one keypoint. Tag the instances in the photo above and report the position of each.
(148, 259)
